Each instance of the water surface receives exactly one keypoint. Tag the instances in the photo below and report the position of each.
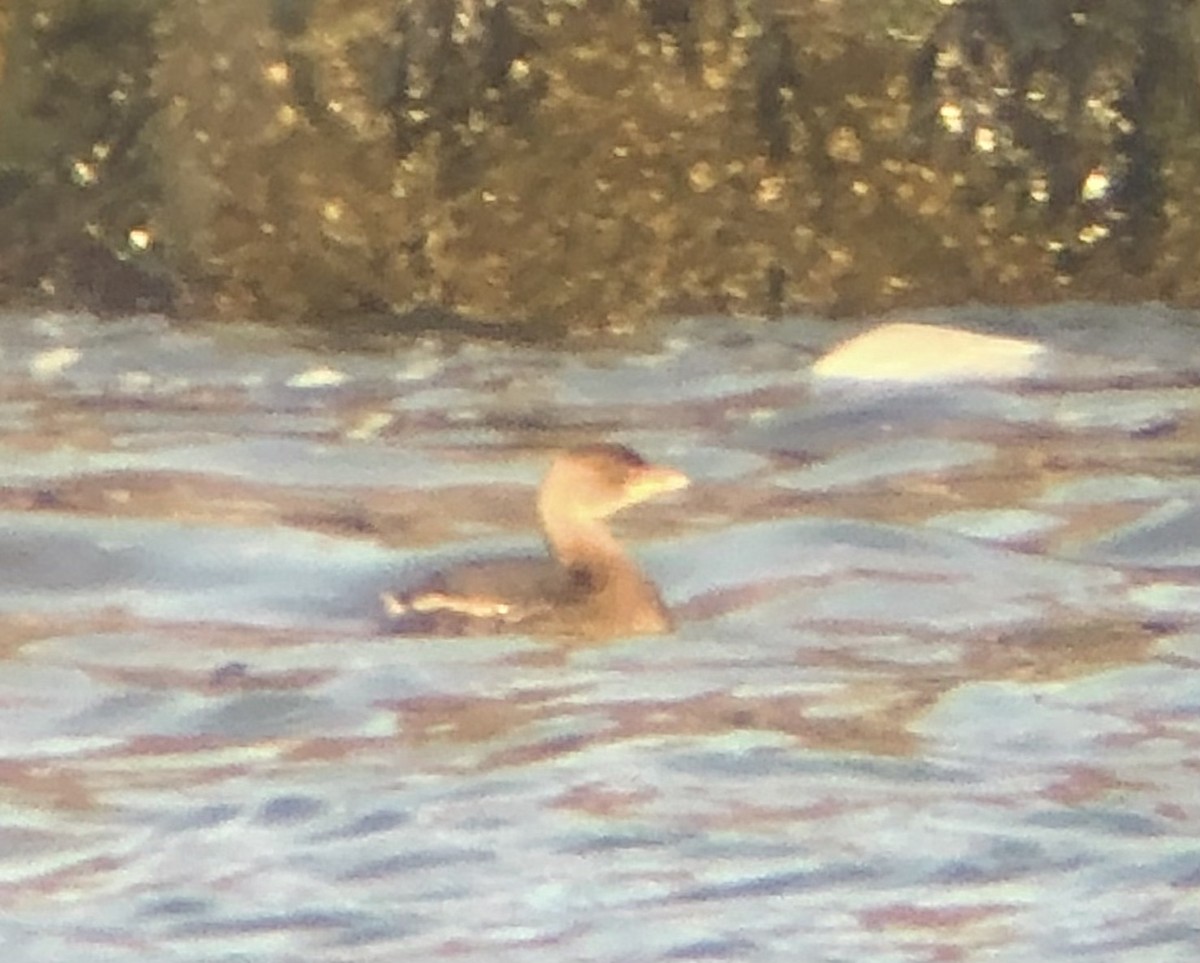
(933, 694)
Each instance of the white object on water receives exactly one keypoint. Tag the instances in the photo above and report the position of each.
(908, 353)
(321, 376)
(53, 362)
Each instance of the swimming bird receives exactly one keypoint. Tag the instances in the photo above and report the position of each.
(588, 589)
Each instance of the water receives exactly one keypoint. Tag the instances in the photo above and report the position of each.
(933, 693)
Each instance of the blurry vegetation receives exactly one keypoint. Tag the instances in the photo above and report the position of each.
(581, 163)
(78, 181)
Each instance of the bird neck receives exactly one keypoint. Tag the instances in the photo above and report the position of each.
(603, 584)
(616, 597)
(583, 543)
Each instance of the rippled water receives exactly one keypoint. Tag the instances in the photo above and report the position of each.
(934, 693)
